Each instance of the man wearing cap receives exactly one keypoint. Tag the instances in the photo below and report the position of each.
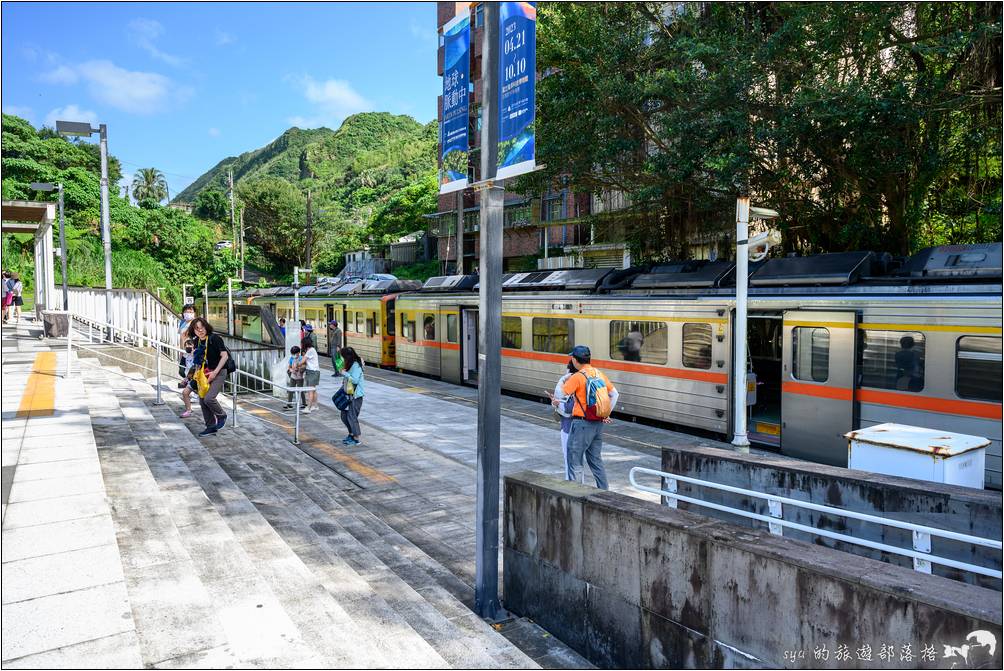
(334, 343)
(586, 436)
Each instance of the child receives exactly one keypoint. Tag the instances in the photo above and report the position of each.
(188, 382)
(294, 375)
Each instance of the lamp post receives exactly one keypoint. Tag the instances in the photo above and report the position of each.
(740, 439)
(296, 291)
(46, 186)
(84, 129)
(184, 295)
(230, 303)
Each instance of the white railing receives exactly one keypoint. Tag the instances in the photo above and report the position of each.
(97, 332)
(921, 552)
(135, 312)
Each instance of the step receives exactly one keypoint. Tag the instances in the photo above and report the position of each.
(323, 529)
(258, 514)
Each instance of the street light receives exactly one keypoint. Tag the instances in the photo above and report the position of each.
(184, 294)
(83, 129)
(47, 186)
(230, 303)
(743, 211)
(296, 290)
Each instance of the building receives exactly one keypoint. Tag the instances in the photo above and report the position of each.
(554, 230)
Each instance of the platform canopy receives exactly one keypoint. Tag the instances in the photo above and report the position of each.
(36, 218)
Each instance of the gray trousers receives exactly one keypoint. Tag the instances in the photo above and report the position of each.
(290, 395)
(211, 408)
(586, 439)
(350, 416)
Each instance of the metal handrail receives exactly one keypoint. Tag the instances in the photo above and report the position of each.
(922, 558)
(160, 347)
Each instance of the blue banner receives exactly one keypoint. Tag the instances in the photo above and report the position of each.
(453, 140)
(517, 87)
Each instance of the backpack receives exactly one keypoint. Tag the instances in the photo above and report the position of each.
(597, 406)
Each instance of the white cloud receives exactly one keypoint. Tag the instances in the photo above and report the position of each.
(144, 33)
(424, 34)
(128, 90)
(18, 110)
(214, 132)
(71, 112)
(223, 38)
(332, 100)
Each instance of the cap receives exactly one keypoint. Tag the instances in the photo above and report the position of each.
(580, 352)
(333, 322)
(308, 327)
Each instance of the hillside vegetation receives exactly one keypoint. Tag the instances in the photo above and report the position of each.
(370, 182)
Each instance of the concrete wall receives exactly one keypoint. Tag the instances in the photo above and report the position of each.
(629, 583)
(962, 509)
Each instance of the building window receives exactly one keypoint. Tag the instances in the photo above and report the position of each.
(552, 209)
(451, 328)
(810, 353)
(697, 345)
(512, 332)
(645, 342)
(978, 368)
(892, 360)
(552, 335)
(479, 15)
(428, 326)
(516, 216)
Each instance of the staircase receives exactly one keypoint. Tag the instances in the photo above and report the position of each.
(242, 550)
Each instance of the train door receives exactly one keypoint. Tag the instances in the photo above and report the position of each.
(763, 343)
(389, 314)
(817, 388)
(469, 346)
(449, 353)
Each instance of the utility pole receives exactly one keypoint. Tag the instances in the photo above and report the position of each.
(233, 225)
(486, 596)
(310, 230)
(242, 244)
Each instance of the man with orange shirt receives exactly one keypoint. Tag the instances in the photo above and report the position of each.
(589, 413)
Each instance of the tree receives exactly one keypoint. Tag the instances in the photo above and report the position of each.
(275, 219)
(849, 118)
(403, 213)
(212, 204)
(149, 183)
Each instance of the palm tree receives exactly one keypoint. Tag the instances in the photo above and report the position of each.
(149, 183)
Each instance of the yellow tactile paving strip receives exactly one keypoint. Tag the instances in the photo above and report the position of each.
(39, 398)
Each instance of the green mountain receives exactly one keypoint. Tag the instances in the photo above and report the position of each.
(279, 158)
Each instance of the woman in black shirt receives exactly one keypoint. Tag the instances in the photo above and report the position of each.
(216, 358)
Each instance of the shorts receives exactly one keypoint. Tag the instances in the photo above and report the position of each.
(311, 378)
(18, 301)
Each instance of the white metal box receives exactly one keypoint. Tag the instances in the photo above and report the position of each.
(915, 452)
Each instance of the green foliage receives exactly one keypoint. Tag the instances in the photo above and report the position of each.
(403, 213)
(867, 125)
(418, 271)
(149, 184)
(275, 219)
(212, 204)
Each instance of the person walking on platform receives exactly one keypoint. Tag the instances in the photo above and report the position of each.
(311, 368)
(354, 386)
(187, 315)
(595, 400)
(218, 364)
(562, 404)
(294, 378)
(16, 300)
(334, 344)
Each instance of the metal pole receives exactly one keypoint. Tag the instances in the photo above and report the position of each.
(297, 399)
(69, 342)
(233, 392)
(159, 401)
(739, 357)
(486, 598)
(459, 265)
(106, 227)
(205, 300)
(296, 295)
(62, 250)
(230, 306)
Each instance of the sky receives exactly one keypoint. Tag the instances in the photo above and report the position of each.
(183, 85)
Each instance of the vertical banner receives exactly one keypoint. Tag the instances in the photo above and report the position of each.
(456, 82)
(517, 87)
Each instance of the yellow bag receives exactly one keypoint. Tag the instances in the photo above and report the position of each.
(202, 381)
(350, 387)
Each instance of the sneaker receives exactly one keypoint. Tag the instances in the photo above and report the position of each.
(305, 411)
(346, 439)
(221, 422)
(209, 431)
(351, 441)
(187, 413)
(288, 406)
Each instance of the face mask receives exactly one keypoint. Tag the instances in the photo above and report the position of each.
(188, 349)
(189, 316)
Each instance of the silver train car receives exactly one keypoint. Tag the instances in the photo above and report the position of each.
(835, 342)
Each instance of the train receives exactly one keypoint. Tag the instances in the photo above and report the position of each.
(836, 342)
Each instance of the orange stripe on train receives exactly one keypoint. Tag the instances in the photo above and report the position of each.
(898, 400)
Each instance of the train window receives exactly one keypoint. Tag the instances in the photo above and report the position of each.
(428, 326)
(647, 342)
(552, 335)
(451, 328)
(390, 318)
(810, 353)
(376, 323)
(360, 322)
(697, 345)
(892, 360)
(370, 327)
(512, 332)
(978, 368)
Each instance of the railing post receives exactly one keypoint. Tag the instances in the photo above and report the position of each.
(233, 392)
(921, 543)
(297, 399)
(669, 484)
(69, 341)
(775, 511)
(159, 401)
